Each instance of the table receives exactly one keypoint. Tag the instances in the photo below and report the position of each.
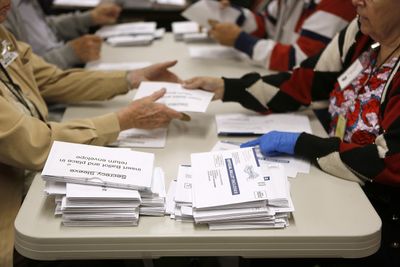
(332, 218)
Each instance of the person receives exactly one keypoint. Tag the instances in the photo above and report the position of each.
(63, 39)
(358, 72)
(27, 82)
(280, 34)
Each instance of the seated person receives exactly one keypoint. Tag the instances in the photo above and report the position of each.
(60, 39)
(26, 135)
(284, 33)
(358, 72)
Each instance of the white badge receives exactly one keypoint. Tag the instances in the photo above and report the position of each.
(350, 74)
(7, 53)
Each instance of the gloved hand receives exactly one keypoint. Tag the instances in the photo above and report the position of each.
(275, 143)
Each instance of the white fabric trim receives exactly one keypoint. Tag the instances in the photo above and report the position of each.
(262, 52)
(324, 23)
(333, 164)
(263, 92)
(381, 145)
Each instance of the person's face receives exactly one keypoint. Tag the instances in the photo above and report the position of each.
(5, 5)
(378, 18)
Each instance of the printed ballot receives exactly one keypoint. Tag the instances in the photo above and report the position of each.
(86, 164)
(177, 97)
(227, 178)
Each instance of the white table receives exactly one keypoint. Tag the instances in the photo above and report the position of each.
(333, 217)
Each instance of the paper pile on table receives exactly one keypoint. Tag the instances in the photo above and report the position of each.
(100, 186)
(231, 190)
(131, 33)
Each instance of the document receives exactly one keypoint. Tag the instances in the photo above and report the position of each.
(177, 97)
(55, 188)
(292, 165)
(205, 10)
(130, 28)
(223, 178)
(183, 194)
(171, 2)
(104, 66)
(101, 193)
(130, 40)
(154, 138)
(215, 51)
(95, 165)
(169, 201)
(241, 124)
(76, 3)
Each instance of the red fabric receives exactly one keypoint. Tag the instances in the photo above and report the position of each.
(280, 57)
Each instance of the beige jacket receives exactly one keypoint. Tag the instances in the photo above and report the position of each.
(25, 140)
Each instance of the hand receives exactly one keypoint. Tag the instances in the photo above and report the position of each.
(144, 113)
(224, 3)
(155, 72)
(275, 143)
(224, 33)
(106, 13)
(87, 47)
(210, 84)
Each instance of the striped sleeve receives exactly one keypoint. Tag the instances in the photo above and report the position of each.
(314, 30)
(375, 162)
(313, 80)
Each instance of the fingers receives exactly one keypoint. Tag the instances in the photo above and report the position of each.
(251, 143)
(193, 83)
(213, 22)
(157, 95)
(166, 65)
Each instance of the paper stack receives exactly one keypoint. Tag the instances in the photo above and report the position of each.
(129, 34)
(94, 165)
(98, 186)
(153, 200)
(231, 189)
(189, 31)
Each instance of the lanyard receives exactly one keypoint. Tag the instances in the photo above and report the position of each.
(17, 92)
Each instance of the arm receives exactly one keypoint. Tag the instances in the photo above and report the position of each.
(315, 33)
(73, 85)
(70, 25)
(26, 141)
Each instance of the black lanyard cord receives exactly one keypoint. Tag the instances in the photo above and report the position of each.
(17, 92)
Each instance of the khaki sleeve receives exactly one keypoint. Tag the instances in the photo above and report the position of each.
(25, 141)
(73, 85)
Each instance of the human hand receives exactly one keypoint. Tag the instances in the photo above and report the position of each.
(145, 113)
(224, 33)
(155, 72)
(87, 47)
(274, 143)
(224, 3)
(210, 84)
(106, 13)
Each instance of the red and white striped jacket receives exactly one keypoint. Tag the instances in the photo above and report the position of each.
(285, 32)
(377, 160)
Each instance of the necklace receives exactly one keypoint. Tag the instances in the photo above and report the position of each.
(375, 69)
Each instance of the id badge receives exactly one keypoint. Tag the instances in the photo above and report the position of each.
(355, 69)
(7, 53)
(350, 74)
(340, 127)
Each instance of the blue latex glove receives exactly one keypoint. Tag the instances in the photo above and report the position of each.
(275, 143)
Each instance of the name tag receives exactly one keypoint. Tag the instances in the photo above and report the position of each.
(7, 53)
(340, 127)
(350, 74)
